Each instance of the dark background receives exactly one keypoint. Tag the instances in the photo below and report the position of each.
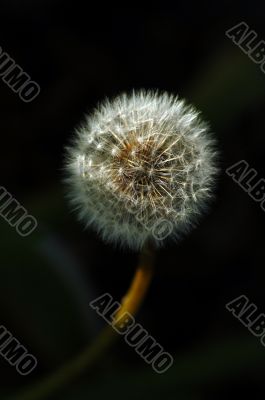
(80, 54)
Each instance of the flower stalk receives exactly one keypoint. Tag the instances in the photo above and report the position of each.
(92, 354)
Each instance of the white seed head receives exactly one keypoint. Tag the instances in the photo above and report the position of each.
(141, 167)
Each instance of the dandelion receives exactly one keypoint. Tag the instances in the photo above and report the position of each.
(141, 163)
(136, 161)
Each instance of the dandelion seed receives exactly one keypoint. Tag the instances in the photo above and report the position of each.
(156, 156)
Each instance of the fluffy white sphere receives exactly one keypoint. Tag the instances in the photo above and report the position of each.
(141, 167)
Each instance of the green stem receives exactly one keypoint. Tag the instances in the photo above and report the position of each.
(93, 352)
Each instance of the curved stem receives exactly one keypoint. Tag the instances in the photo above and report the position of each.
(92, 353)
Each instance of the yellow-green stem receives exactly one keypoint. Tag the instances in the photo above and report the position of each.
(92, 353)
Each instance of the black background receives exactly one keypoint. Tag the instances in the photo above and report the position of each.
(79, 54)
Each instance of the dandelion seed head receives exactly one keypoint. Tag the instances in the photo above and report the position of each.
(140, 159)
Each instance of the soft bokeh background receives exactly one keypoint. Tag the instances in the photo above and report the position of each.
(79, 55)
